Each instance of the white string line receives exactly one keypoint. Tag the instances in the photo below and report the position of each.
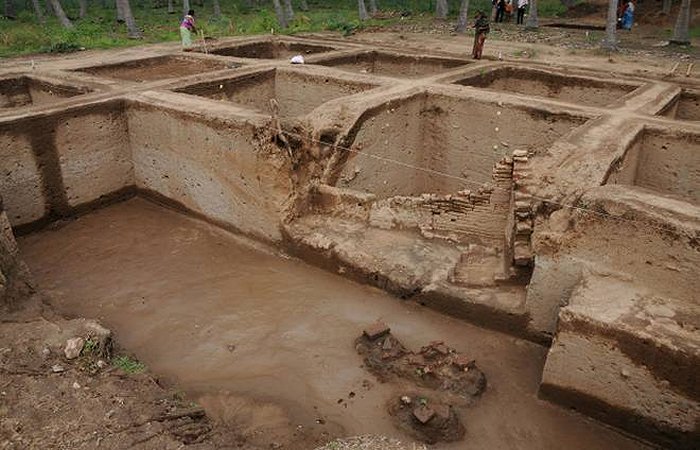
(481, 184)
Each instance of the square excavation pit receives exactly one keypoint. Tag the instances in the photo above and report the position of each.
(663, 162)
(539, 83)
(393, 64)
(158, 68)
(25, 91)
(460, 137)
(271, 50)
(685, 106)
(296, 93)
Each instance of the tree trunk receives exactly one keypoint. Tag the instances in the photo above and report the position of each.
(362, 10)
(37, 10)
(568, 3)
(288, 11)
(120, 12)
(372, 7)
(681, 34)
(10, 10)
(217, 9)
(279, 12)
(185, 7)
(304, 5)
(441, 9)
(60, 14)
(666, 7)
(610, 40)
(83, 9)
(463, 19)
(532, 19)
(132, 30)
(171, 7)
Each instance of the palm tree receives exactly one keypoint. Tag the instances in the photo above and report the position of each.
(372, 7)
(288, 10)
(10, 10)
(681, 35)
(362, 10)
(666, 7)
(37, 10)
(610, 40)
(463, 17)
(60, 14)
(279, 12)
(441, 9)
(132, 30)
(532, 19)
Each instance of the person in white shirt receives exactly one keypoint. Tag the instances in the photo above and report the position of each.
(522, 5)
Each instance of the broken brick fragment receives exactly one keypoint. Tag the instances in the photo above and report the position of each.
(423, 413)
(463, 362)
(376, 330)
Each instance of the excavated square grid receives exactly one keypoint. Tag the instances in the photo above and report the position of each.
(539, 83)
(686, 106)
(271, 50)
(158, 68)
(392, 64)
(666, 163)
(296, 93)
(23, 91)
(458, 136)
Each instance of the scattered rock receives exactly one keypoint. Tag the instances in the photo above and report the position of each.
(376, 330)
(57, 368)
(436, 366)
(73, 347)
(76, 385)
(430, 422)
(423, 413)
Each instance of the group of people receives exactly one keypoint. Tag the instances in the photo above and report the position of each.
(503, 10)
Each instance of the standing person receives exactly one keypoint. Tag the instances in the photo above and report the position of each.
(522, 6)
(509, 11)
(481, 29)
(186, 29)
(628, 16)
(500, 10)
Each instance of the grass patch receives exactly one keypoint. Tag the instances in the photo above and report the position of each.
(128, 364)
(99, 29)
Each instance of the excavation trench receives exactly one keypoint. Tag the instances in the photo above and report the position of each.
(265, 342)
(425, 191)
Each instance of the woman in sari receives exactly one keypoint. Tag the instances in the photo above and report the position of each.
(186, 29)
(481, 29)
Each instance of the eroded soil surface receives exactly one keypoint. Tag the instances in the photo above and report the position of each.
(266, 343)
(86, 402)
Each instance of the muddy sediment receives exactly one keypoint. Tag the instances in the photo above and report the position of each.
(240, 318)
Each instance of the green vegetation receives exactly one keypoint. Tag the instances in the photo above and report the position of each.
(128, 364)
(99, 29)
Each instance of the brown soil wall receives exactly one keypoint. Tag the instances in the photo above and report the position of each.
(52, 164)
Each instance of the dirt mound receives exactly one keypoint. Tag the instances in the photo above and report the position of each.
(61, 389)
(426, 420)
(436, 366)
